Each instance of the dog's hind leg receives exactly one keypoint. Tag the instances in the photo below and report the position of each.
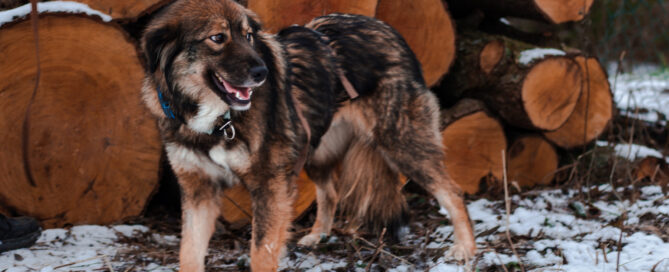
(320, 169)
(412, 144)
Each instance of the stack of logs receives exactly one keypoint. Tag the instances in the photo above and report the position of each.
(94, 151)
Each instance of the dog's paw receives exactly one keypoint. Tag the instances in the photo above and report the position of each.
(311, 239)
(462, 251)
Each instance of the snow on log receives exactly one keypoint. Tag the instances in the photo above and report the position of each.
(531, 160)
(236, 202)
(593, 111)
(552, 11)
(528, 87)
(427, 28)
(277, 14)
(93, 148)
(125, 9)
(473, 142)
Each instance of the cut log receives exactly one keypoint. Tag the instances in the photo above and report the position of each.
(427, 28)
(552, 11)
(593, 111)
(528, 87)
(531, 160)
(125, 9)
(94, 150)
(473, 142)
(277, 14)
(236, 202)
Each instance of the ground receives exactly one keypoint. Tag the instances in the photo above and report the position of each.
(598, 218)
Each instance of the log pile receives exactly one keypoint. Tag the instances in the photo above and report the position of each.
(94, 150)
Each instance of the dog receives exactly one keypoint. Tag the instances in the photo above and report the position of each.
(236, 105)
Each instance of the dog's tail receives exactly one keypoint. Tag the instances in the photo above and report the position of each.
(371, 192)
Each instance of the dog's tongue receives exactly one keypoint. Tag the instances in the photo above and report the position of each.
(241, 93)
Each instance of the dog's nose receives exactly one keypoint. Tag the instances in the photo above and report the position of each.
(258, 73)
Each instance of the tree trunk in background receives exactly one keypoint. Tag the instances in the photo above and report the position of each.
(94, 149)
(274, 13)
(473, 142)
(593, 111)
(427, 28)
(551, 11)
(531, 160)
(528, 87)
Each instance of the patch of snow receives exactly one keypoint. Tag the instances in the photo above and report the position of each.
(52, 6)
(645, 89)
(632, 151)
(527, 56)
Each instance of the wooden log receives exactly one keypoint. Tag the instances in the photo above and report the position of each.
(552, 11)
(593, 111)
(427, 28)
(236, 202)
(531, 160)
(125, 9)
(277, 14)
(473, 142)
(93, 148)
(528, 87)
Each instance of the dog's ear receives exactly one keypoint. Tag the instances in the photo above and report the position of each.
(158, 44)
(254, 21)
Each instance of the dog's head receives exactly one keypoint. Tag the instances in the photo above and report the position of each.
(205, 49)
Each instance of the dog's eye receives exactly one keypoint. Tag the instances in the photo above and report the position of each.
(249, 36)
(218, 38)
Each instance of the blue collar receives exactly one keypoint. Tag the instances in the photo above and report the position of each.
(166, 106)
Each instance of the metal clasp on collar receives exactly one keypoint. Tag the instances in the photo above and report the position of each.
(229, 136)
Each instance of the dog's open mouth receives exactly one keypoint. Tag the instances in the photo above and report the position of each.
(233, 95)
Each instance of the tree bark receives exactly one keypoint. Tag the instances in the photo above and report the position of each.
(473, 142)
(93, 148)
(593, 111)
(528, 87)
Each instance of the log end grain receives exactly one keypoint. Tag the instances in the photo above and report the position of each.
(427, 28)
(531, 161)
(236, 201)
(550, 92)
(564, 10)
(94, 150)
(473, 146)
(593, 111)
(491, 55)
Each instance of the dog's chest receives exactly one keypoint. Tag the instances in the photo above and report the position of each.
(233, 160)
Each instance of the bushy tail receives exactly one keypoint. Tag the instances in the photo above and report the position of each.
(371, 192)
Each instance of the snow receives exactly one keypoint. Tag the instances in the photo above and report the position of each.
(527, 56)
(52, 6)
(632, 151)
(646, 89)
(85, 248)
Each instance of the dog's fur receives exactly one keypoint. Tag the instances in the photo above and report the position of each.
(391, 128)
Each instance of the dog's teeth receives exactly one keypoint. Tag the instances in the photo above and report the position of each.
(238, 96)
(250, 93)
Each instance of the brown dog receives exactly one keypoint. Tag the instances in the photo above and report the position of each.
(231, 100)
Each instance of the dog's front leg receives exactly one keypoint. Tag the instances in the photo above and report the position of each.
(272, 215)
(200, 209)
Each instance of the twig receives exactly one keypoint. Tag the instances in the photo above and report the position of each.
(109, 265)
(377, 250)
(385, 252)
(78, 262)
(620, 241)
(658, 263)
(508, 213)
